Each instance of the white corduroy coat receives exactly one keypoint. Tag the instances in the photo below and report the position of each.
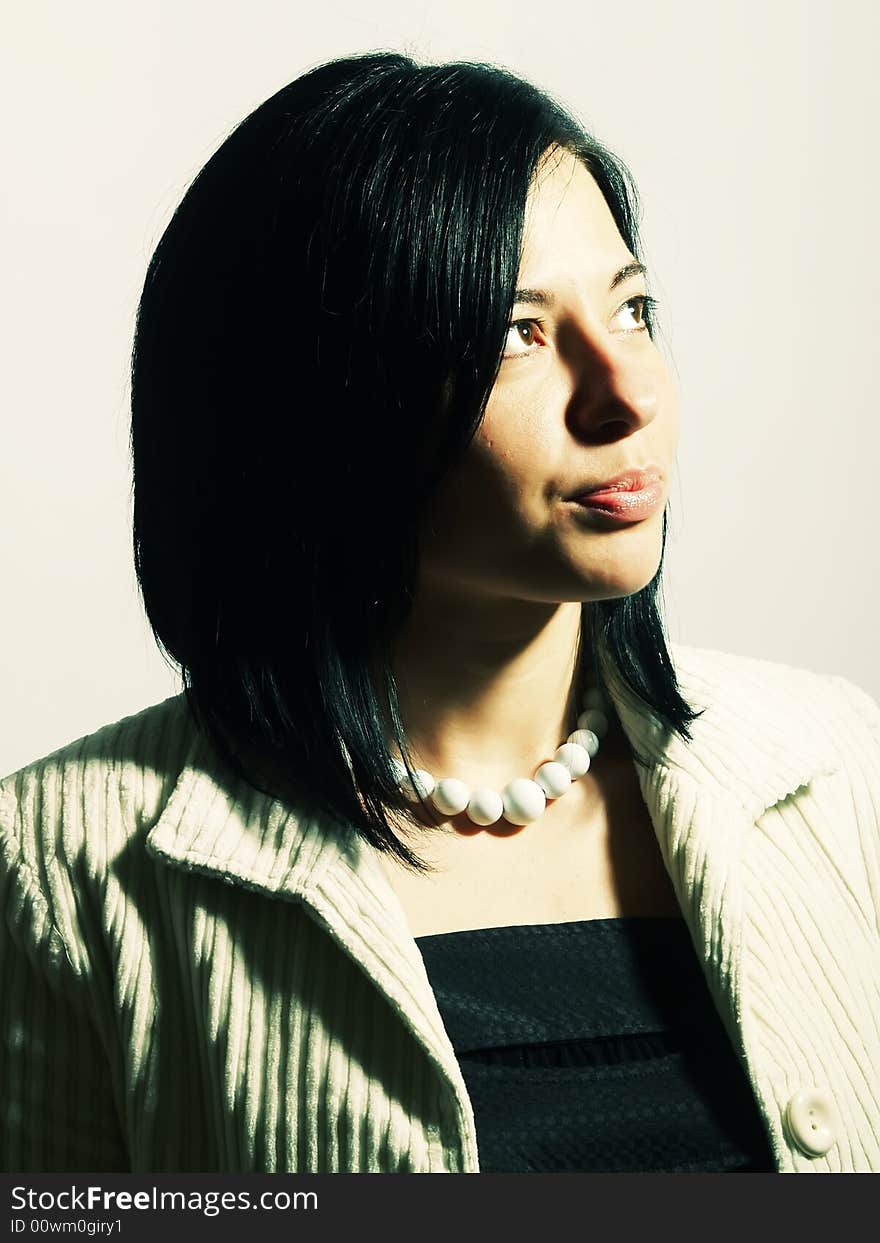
(193, 978)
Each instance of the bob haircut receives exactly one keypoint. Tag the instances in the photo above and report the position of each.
(325, 316)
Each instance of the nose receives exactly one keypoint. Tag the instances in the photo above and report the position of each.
(615, 389)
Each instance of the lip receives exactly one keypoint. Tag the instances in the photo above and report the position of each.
(634, 480)
(623, 505)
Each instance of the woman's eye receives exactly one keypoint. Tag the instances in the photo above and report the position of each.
(644, 303)
(521, 333)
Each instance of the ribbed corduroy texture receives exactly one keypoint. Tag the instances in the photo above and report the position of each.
(194, 979)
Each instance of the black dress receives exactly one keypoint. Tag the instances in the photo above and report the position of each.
(594, 1046)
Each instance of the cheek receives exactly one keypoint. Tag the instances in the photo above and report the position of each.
(483, 503)
(513, 450)
(470, 495)
(490, 481)
(506, 477)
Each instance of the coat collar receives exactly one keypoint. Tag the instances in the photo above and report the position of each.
(758, 741)
(760, 737)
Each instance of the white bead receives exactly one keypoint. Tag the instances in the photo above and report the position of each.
(553, 778)
(423, 783)
(485, 806)
(594, 698)
(594, 719)
(451, 796)
(583, 737)
(575, 758)
(524, 800)
(587, 738)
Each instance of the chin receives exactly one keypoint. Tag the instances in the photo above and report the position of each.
(609, 581)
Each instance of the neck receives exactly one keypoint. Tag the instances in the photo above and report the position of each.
(487, 692)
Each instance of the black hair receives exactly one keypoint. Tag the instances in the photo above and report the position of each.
(324, 317)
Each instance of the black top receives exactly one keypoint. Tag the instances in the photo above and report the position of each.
(594, 1046)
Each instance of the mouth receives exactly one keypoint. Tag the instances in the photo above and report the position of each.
(622, 505)
(635, 480)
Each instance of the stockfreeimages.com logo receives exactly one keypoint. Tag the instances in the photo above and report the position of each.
(209, 1203)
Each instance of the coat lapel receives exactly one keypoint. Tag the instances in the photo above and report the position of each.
(752, 748)
(217, 825)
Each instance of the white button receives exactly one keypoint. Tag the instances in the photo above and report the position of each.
(812, 1121)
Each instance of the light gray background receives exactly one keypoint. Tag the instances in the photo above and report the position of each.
(751, 132)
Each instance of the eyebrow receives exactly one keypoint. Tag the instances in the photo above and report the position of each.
(539, 297)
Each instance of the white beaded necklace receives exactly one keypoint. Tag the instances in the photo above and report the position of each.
(524, 799)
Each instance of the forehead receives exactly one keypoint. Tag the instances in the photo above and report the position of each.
(567, 219)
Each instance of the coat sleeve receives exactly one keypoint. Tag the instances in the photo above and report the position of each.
(57, 1107)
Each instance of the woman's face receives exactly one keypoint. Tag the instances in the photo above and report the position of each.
(582, 396)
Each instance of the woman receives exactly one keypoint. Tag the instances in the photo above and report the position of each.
(443, 860)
